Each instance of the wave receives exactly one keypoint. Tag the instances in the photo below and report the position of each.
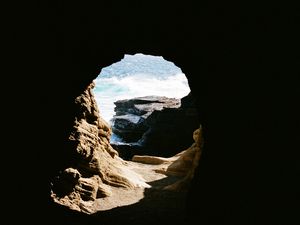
(141, 64)
(136, 76)
(109, 90)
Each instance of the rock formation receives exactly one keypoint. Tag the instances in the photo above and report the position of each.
(182, 164)
(130, 121)
(98, 172)
(154, 125)
(242, 64)
(96, 165)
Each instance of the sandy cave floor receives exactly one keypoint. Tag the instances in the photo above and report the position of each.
(137, 204)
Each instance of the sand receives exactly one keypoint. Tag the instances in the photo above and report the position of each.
(142, 205)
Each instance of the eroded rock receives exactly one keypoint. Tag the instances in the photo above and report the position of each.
(130, 121)
(96, 166)
(154, 125)
(182, 164)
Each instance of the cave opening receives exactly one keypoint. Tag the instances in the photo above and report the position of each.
(147, 102)
(149, 167)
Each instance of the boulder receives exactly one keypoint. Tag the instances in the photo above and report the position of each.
(96, 166)
(129, 123)
(154, 125)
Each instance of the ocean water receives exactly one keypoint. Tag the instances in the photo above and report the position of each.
(136, 76)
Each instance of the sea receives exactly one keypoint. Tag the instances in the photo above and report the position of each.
(136, 76)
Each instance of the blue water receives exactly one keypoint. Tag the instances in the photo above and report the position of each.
(141, 64)
(135, 76)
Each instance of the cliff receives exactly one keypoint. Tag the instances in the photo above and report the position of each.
(130, 121)
(154, 125)
(96, 166)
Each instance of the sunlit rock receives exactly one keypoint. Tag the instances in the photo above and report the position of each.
(182, 164)
(97, 166)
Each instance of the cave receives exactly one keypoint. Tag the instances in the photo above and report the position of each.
(242, 65)
(149, 175)
(148, 104)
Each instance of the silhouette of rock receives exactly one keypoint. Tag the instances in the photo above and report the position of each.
(182, 164)
(130, 121)
(154, 125)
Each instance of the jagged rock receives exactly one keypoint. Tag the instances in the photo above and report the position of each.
(97, 171)
(66, 181)
(131, 114)
(88, 188)
(129, 127)
(182, 164)
(187, 159)
(96, 166)
(143, 106)
(155, 125)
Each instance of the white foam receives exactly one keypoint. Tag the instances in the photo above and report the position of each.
(164, 80)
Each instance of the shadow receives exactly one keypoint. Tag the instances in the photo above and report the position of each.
(157, 206)
(159, 184)
(242, 64)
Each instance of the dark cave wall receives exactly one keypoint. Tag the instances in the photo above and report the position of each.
(242, 67)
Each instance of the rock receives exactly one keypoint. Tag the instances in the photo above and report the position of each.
(182, 164)
(127, 150)
(66, 181)
(96, 165)
(187, 159)
(144, 105)
(190, 159)
(96, 170)
(150, 159)
(130, 120)
(88, 188)
(155, 125)
(129, 127)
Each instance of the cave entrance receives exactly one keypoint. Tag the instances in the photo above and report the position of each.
(147, 102)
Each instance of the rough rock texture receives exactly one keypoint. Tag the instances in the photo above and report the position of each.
(158, 125)
(242, 64)
(130, 121)
(182, 164)
(98, 172)
(96, 165)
